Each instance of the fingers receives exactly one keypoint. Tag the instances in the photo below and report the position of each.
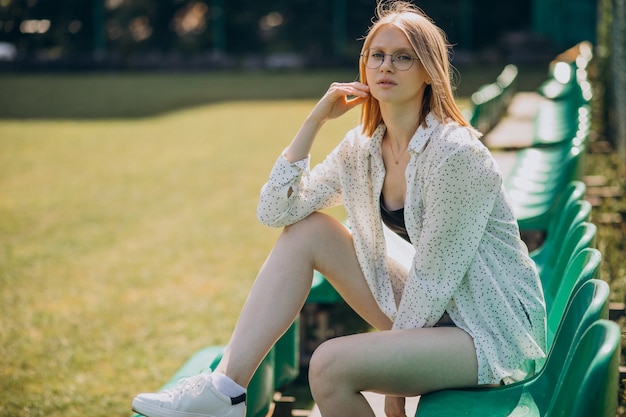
(355, 89)
(339, 98)
(348, 95)
(354, 101)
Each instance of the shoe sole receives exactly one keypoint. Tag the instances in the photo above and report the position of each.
(149, 410)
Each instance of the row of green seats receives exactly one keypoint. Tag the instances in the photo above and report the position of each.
(580, 374)
(566, 108)
(541, 173)
(560, 135)
(579, 378)
(567, 227)
(567, 257)
(539, 177)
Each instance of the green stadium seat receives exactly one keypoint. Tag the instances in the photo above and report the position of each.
(546, 255)
(507, 81)
(488, 107)
(287, 356)
(583, 267)
(565, 212)
(589, 386)
(533, 397)
(577, 238)
(538, 179)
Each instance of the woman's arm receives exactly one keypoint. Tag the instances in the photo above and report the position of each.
(292, 192)
(332, 105)
(458, 200)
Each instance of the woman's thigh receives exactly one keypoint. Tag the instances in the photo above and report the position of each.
(332, 253)
(398, 362)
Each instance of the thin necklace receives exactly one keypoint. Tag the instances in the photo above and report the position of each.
(396, 160)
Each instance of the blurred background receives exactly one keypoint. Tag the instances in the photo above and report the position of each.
(193, 34)
(119, 35)
(128, 238)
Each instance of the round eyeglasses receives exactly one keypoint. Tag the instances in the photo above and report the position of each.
(401, 60)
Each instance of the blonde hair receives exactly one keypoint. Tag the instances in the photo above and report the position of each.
(430, 45)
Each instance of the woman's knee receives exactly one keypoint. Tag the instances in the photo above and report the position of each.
(325, 369)
(315, 222)
(314, 231)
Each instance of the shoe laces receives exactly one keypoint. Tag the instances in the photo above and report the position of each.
(196, 384)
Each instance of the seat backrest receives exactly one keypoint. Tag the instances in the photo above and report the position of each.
(577, 238)
(584, 266)
(507, 80)
(577, 212)
(487, 107)
(589, 304)
(573, 214)
(588, 384)
(574, 191)
(565, 215)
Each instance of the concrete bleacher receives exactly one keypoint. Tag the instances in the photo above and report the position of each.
(377, 402)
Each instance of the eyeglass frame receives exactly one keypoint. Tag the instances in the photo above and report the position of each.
(366, 58)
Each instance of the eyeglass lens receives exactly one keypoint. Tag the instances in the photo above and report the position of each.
(401, 60)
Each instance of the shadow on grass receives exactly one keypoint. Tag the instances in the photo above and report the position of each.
(136, 95)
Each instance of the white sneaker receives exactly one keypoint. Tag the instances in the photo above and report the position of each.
(192, 397)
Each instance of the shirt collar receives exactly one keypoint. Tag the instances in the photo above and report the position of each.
(418, 141)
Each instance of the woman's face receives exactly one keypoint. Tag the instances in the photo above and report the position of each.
(387, 83)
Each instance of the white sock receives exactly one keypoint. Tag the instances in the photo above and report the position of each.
(227, 386)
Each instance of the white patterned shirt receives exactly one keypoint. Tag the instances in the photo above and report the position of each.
(466, 259)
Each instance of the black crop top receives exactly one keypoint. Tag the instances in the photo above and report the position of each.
(394, 220)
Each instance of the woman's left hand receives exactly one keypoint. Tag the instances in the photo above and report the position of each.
(394, 406)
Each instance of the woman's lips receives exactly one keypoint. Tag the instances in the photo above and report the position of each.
(385, 83)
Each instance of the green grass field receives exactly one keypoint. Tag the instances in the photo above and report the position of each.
(128, 235)
(128, 243)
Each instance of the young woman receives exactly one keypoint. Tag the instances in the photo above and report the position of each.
(466, 309)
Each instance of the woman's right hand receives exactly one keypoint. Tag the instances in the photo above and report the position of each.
(335, 102)
(332, 105)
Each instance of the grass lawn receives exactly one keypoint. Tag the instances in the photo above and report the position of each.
(128, 235)
(128, 244)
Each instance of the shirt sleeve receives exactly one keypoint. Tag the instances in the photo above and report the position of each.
(293, 191)
(458, 197)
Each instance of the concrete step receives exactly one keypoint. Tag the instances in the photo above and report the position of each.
(377, 402)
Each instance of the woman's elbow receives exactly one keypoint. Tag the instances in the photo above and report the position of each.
(270, 220)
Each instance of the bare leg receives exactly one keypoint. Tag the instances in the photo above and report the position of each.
(281, 287)
(439, 358)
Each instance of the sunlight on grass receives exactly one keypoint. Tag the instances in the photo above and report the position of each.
(126, 246)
